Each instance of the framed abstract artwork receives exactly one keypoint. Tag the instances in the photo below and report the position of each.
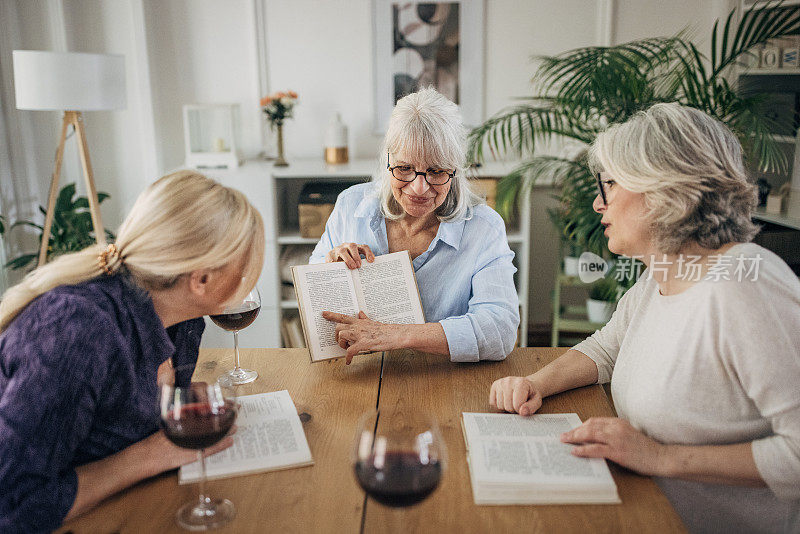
(435, 43)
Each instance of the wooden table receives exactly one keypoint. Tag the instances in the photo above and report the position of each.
(326, 498)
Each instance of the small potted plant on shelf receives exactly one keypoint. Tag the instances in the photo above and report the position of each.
(603, 296)
(277, 108)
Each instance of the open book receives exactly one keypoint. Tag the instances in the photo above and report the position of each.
(386, 290)
(269, 437)
(521, 460)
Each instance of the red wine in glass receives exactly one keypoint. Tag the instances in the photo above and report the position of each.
(398, 457)
(233, 319)
(198, 426)
(198, 416)
(402, 479)
(237, 320)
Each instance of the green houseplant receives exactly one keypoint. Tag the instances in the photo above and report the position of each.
(71, 231)
(603, 296)
(577, 94)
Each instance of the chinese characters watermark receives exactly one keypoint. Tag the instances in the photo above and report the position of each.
(687, 267)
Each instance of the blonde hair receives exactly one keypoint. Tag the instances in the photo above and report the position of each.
(689, 167)
(426, 126)
(181, 223)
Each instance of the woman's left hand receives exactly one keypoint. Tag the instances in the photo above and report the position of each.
(360, 333)
(616, 440)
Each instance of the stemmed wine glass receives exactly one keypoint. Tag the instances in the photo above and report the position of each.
(400, 461)
(197, 416)
(233, 319)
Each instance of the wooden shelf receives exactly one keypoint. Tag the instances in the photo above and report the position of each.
(578, 325)
(296, 239)
(770, 72)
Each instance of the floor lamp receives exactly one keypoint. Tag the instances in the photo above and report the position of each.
(70, 82)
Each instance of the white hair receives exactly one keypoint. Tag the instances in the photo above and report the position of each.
(181, 223)
(689, 167)
(426, 126)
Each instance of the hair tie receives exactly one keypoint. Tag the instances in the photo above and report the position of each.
(109, 260)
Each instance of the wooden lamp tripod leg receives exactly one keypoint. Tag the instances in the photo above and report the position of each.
(71, 118)
(88, 175)
(51, 199)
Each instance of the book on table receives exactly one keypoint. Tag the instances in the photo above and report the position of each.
(521, 460)
(385, 290)
(269, 437)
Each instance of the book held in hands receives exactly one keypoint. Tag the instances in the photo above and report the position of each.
(385, 290)
(269, 437)
(521, 460)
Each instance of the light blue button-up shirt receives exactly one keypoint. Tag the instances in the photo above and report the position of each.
(465, 278)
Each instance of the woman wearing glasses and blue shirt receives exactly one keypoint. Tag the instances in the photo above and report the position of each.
(421, 202)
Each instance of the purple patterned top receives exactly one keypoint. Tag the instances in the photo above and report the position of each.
(78, 374)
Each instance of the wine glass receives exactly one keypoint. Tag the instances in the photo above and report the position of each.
(233, 319)
(398, 458)
(197, 416)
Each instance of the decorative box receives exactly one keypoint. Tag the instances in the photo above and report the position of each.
(789, 53)
(770, 56)
(485, 188)
(315, 206)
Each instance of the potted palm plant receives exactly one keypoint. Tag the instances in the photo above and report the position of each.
(577, 94)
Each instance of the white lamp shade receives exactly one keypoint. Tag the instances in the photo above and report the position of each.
(69, 81)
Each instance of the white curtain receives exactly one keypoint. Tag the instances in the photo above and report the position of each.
(20, 178)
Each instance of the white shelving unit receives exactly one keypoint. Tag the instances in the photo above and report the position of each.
(275, 192)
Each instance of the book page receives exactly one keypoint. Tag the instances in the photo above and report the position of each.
(324, 287)
(511, 449)
(269, 436)
(387, 290)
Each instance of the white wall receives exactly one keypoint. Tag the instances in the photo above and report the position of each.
(201, 51)
(205, 51)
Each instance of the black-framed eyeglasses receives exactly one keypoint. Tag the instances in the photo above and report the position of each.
(407, 173)
(601, 187)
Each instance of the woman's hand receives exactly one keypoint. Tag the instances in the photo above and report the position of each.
(360, 333)
(515, 394)
(146, 458)
(167, 455)
(350, 254)
(616, 440)
(166, 374)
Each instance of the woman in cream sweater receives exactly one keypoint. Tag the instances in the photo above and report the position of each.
(703, 352)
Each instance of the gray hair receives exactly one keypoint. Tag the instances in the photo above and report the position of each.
(689, 167)
(428, 127)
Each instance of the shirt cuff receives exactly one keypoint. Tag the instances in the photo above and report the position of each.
(595, 352)
(771, 455)
(460, 339)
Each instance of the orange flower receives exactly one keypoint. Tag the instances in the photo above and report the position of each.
(279, 95)
(265, 101)
(292, 94)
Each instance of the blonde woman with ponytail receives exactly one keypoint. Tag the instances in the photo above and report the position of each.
(82, 340)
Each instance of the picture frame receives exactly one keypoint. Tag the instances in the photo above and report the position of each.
(429, 42)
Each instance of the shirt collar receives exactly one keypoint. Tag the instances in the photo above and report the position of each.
(151, 330)
(369, 207)
(451, 232)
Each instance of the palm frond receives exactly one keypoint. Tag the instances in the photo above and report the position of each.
(758, 25)
(540, 168)
(518, 129)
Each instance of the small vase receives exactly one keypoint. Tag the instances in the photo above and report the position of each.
(280, 161)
